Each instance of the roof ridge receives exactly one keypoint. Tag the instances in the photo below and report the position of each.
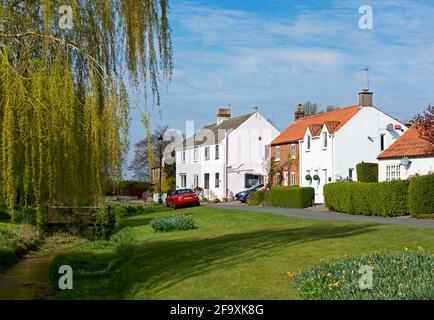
(329, 112)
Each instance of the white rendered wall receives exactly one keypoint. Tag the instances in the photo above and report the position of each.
(420, 166)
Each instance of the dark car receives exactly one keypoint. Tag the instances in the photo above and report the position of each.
(242, 196)
(182, 198)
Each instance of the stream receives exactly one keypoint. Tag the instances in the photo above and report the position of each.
(27, 279)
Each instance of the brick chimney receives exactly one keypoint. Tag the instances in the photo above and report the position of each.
(223, 114)
(366, 98)
(299, 112)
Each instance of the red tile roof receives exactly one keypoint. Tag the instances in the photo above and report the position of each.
(410, 144)
(334, 120)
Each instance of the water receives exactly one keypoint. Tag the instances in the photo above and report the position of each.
(27, 279)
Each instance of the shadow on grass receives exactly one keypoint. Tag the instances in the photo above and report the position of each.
(158, 265)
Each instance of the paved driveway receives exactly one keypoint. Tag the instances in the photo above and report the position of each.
(329, 215)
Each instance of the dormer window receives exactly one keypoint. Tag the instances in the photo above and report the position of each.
(325, 137)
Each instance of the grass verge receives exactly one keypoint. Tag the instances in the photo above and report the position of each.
(230, 255)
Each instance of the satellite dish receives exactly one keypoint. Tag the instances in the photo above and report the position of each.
(405, 161)
(338, 177)
(389, 127)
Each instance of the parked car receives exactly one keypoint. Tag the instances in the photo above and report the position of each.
(181, 198)
(243, 195)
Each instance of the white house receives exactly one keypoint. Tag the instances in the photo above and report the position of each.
(410, 155)
(226, 157)
(335, 142)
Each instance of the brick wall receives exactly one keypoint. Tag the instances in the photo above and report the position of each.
(286, 162)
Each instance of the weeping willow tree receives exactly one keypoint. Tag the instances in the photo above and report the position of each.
(63, 102)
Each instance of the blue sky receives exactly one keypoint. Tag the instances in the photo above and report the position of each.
(275, 54)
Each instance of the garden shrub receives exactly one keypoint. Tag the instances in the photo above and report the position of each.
(256, 198)
(370, 199)
(172, 223)
(367, 172)
(421, 195)
(396, 275)
(290, 197)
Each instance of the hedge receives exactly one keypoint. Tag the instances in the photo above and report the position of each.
(290, 197)
(371, 199)
(256, 198)
(367, 172)
(421, 195)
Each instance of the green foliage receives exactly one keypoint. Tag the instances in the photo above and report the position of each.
(256, 198)
(421, 195)
(371, 199)
(16, 241)
(172, 223)
(367, 172)
(308, 177)
(396, 276)
(63, 102)
(290, 197)
(126, 187)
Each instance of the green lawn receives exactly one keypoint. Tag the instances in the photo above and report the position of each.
(231, 255)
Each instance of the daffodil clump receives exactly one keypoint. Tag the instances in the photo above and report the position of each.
(404, 275)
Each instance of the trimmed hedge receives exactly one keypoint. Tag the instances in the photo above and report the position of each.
(256, 198)
(370, 199)
(290, 197)
(367, 172)
(421, 195)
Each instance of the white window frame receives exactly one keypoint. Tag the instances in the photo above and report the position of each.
(217, 180)
(325, 140)
(277, 153)
(217, 152)
(183, 156)
(183, 180)
(207, 153)
(196, 154)
(195, 181)
(293, 151)
(285, 178)
(293, 179)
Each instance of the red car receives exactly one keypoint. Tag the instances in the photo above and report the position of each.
(181, 198)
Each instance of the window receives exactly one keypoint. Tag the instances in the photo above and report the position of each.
(278, 179)
(217, 153)
(285, 178)
(308, 142)
(325, 136)
(206, 181)
(183, 156)
(251, 180)
(350, 173)
(183, 181)
(277, 153)
(325, 175)
(293, 179)
(382, 141)
(196, 181)
(196, 154)
(293, 151)
(217, 180)
(207, 153)
(393, 172)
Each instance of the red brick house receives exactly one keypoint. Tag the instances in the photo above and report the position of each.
(285, 148)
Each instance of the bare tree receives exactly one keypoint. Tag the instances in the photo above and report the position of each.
(310, 108)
